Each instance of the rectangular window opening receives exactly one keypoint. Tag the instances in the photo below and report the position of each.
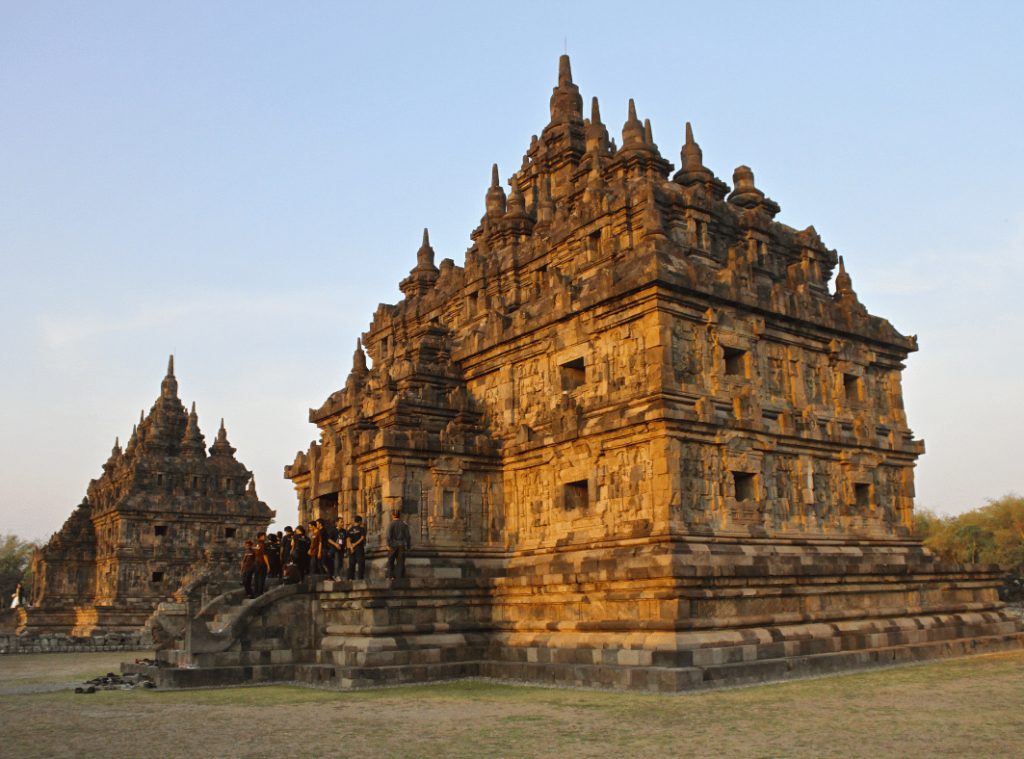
(160, 530)
(851, 383)
(862, 496)
(577, 496)
(159, 479)
(574, 374)
(158, 577)
(735, 362)
(745, 485)
(230, 532)
(448, 504)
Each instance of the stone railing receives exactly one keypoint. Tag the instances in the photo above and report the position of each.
(61, 643)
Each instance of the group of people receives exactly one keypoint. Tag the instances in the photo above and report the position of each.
(319, 551)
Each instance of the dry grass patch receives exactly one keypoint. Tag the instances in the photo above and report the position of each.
(967, 707)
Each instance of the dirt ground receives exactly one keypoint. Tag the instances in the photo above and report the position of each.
(960, 708)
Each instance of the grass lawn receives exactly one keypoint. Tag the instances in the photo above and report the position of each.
(970, 707)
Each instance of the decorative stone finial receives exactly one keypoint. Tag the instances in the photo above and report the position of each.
(566, 103)
(596, 132)
(425, 255)
(359, 359)
(495, 196)
(844, 284)
(632, 130)
(649, 135)
(192, 442)
(693, 170)
(221, 446)
(746, 195)
(422, 278)
(516, 202)
(169, 387)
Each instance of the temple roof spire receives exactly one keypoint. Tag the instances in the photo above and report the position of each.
(566, 102)
(221, 446)
(633, 130)
(516, 202)
(192, 442)
(596, 132)
(746, 194)
(359, 359)
(423, 276)
(495, 196)
(425, 255)
(169, 387)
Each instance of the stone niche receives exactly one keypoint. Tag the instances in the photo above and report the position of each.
(638, 441)
(163, 511)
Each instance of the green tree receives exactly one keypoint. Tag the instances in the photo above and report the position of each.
(993, 534)
(15, 555)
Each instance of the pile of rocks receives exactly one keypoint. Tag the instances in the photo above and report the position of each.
(1013, 589)
(52, 643)
(112, 681)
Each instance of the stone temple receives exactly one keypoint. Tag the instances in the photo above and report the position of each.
(638, 441)
(162, 509)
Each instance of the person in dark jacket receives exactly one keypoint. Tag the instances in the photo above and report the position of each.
(300, 552)
(248, 566)
(357, 550)
(274, 556)
(399, 541)
(286, 546)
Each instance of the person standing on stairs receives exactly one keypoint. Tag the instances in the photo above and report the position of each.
(248, 567)
(399, 541)
(357, 550)
(262, 565)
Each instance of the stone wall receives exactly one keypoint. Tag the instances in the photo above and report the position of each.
(61, 643)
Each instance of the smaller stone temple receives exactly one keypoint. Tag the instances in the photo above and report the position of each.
(162, 509)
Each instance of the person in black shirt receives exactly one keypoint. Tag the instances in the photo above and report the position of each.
(248, 568)
(399, 541)
(300, 551)
(274, 556)
(357, 550)
(336, 542)
(286, 546)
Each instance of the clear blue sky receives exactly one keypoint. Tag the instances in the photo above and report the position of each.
(241, 183)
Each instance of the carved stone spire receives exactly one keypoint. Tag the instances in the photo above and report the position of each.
(169, 387)
(649, 136)
(746, 195)
(221, 446)
(597, 133)
(133, 441)
(845, 295)
(359, 359)
(193, 443)
(495, 196)
(633, 131)
(425, 255)
(516, 202)
(566, 102)
(115, 456)
(844, 284)
(422, 278)
(693, 169)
